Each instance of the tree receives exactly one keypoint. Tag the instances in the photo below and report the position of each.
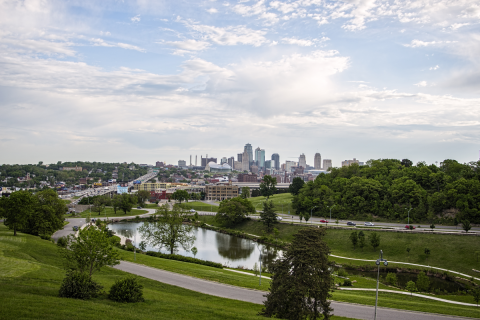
(126, 203)
(432, 226)
(268, 215)
(423, 283)
(374, 240)
(142, 196)
(194, 251)
(89, 252)
(16, 209)
(301, 281)
(407, 163)
(427, 252)
(466, 225)
(296, 185)
(361, 240)
(245, 192)
(47, 216)
(169, 231)
(411, 287)
(99, 205)
(233, 211)
(408, 250)
(354, 238)
(391, 278)
(268, 186)
(181, 195)
(476, 294)
(116, 202)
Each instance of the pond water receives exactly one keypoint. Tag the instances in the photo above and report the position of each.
(403, 278)
(213, 246)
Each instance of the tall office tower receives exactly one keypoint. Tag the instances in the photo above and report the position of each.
(327, 163)
(272, 164)
(302, 161)
(257, 156)
(317, 161)
(288, 165)
(223, 160)
(190, 160)
(195, 160)
(245, 161)
(248, 148)
(276, 157)
(231, 162)
(268, 164)
(239, 157)
(261, 163)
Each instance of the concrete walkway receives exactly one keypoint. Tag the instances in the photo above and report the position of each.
(348, 310)
(243, 272)
(411, 294)
(411, 264)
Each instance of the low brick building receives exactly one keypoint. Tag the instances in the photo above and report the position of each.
(221, 192)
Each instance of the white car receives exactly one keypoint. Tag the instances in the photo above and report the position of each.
(369, 224)
(192, 210)
(279, 218)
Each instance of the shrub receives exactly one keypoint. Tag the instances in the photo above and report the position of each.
(115, 241)
(62, 242)
(45, 237)
(185, 259)
(391, 278)
(78, 285)
(342, 273)
(126, 290)
(347, 283)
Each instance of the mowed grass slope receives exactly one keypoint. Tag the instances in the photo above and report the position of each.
(454, 252)
(108, 212)
(282, 202)
(199, 206)
(32, 293)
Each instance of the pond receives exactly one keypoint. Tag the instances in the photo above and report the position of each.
(404, 277)
(213, 246)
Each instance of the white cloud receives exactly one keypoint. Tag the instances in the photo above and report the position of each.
(421, 84)
(257, 9)
(456, 26)
(101, 43)
(434, 68)
(419, 43)
(130, 47)
(212, 10)
(304, 42)
(187, 46)
(230, 36)
(135, 19)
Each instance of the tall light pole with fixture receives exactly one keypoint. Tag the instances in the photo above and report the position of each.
(379, 260)
(311, 213)
(408, 215)
(331, 211)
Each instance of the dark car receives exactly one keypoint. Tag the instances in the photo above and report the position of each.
(75, 228)
(350, 223)
(139, 207)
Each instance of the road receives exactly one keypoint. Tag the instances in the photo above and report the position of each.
(255, 296)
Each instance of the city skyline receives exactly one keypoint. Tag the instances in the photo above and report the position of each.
(154, 80)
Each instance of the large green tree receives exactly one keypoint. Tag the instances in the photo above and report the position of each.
(268, 186)
(17, 209)
(168, 231)
(233, 211)
(126, 202)
(47, 216)
(142, 196)
(181, 195)
(89, 251)
(296, 185)
(268, 215)
(301, 281)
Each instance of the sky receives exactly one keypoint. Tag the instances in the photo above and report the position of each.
(153, 80)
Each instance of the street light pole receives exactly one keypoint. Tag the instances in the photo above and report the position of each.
(311, 213)
(331, 211)
(378, 276)
(408, 216)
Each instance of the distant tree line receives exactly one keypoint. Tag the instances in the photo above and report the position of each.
(390, 188)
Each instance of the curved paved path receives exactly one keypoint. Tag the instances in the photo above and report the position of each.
(348, 310)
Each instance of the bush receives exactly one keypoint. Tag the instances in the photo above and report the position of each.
(185, 259)
(342, 273)
(126, 290)
(115, 241)
(45, 237)
(391, 278)
(347, 283)
(78, 285)
(62, 242)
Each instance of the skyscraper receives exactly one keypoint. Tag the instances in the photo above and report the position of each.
(231, 162)
(248, 148)
(257, 156)
(317, 162)
(327, 163)
(276, 157)
(262, 159)
(302, 161)
(239, 157)
(245, 160)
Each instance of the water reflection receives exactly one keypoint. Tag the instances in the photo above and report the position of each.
(212, 246)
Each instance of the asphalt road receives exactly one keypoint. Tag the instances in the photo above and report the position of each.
(254, 296)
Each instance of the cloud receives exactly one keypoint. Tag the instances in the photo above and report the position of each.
(434, 68)
(257, 9)
(130, 47)
(230, 36)
(135, 19)
(101, 43)
(189, 45)
(212, 10)
(303, 42)
(418, 43)
(421, 84)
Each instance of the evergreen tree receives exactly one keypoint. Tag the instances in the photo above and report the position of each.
(423, 283)
(301, 281)
(354, 239)
(361, 240)
(268, 216)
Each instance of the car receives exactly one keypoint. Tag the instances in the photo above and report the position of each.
(369, 224)
(75, 228)
(279, 218)
(410, 227)
(192, 210)
(350, 223)
(324, 221)
(139, 207)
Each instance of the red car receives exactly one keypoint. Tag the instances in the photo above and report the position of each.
(324, 221)
(409, 227)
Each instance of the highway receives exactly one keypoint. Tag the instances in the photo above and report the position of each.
(349, 310)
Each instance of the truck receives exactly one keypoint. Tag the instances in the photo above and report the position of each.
(112, 180)
(137, 182)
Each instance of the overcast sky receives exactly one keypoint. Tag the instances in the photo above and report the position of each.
(151, 80)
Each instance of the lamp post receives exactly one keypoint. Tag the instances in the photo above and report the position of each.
(331, 211)
(408, 216)
(311, 213)
(378, 275)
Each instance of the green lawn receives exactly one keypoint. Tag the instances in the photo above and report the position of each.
(109, 213)
(151, 205)
(282, 202)
(31, 273)
(454, 252)
(199, 206)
